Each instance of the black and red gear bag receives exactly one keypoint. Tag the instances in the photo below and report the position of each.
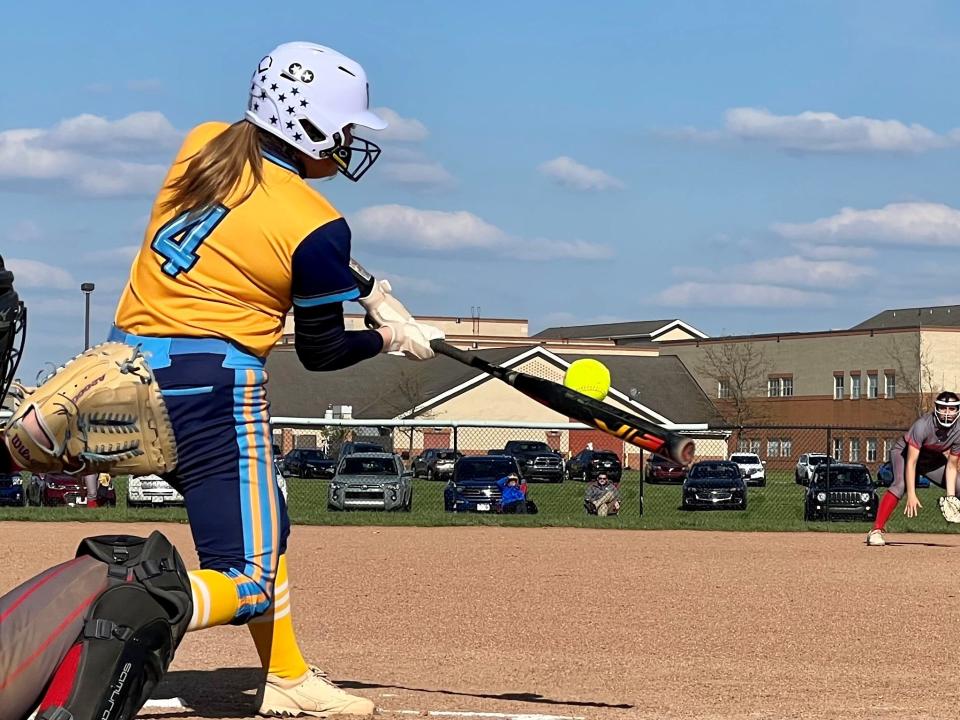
(90, 638)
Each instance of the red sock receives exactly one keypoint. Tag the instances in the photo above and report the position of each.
(888, 503)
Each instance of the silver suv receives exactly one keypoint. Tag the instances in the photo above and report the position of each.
(807, 464)
(371, 481)
(752, 468)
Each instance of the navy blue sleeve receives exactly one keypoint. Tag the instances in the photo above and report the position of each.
(321, 281)
(322, 343)
(321, 267)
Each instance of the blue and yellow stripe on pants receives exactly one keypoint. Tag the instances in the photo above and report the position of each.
(215, 394)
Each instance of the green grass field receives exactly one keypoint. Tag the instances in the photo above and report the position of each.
(776, 507)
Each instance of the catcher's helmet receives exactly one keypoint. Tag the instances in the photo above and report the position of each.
(946, 408)
(307, 95)
(13, 329)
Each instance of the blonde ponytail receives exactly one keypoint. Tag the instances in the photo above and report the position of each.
(214, 172)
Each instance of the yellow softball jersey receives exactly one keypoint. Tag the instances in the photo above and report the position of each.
(233, 270)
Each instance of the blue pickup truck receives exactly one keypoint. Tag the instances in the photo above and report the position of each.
(473, 487)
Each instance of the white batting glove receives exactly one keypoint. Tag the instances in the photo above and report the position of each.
(412, 339)
(382, 307)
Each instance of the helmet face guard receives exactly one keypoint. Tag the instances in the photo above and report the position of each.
(355, 159)
(946, 409)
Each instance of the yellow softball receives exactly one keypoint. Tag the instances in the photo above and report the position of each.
(589, 377)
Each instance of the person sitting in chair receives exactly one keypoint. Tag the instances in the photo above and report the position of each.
(513, 498)
(602, 497)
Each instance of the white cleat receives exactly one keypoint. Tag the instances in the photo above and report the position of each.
(875, 538)
(313, 695)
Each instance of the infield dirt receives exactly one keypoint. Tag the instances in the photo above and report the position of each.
(587, 623)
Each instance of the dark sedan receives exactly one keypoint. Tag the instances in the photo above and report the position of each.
(714, 484)
(307, 463)
(659, 469)
(844, 492)
(587, 464)
(11, 489)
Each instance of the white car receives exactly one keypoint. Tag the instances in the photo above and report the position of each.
(154, 490)
(752, 468)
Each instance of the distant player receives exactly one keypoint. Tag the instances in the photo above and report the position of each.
(930, 447)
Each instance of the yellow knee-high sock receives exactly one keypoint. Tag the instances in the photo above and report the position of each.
(215, 599)
(273, 632)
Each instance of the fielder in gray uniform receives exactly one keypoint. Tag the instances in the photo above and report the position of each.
(930, 447)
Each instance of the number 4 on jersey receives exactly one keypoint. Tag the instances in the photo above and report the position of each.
(178, 240)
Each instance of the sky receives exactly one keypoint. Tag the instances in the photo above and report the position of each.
(745, 167)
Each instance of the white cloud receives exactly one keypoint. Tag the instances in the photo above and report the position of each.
(569, 173)
(75, 155)
(33, 273)
(794, 270)
(833, 252)
(400, 129)
(894, 224)
(410, 284)
(421, 175)
(137, 133)
(823, 132)
(712, 294)
(453, 232)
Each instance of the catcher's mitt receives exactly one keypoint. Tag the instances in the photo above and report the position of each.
(102, 411)
(950, 507)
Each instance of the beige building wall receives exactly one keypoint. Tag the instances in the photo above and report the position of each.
(675, 334)
(940, 355)
(500, 327)
(813, 358)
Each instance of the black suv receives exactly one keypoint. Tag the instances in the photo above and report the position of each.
(435, 463)
(587, 464)
(307, 463)
(841, 491)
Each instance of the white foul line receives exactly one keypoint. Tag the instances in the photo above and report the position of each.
(471, 714)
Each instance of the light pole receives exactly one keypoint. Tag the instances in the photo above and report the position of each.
(87, 289)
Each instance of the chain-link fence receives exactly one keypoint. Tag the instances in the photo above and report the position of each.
(783, 477)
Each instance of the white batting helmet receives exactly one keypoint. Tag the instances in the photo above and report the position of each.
(307, 95)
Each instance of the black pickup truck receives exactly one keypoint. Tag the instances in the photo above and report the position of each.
(536, 459)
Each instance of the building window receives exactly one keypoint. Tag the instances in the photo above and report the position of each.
(773, 387)
(786, 387)
(886, 449)
(854, 387)
(743, 445)
(872, 450)
(855, 450)
(755, 446)
(786, 447)
(773, 448)
(838, 387)
(838, 449)
(723, 389)
(890, 384)
(872, 386)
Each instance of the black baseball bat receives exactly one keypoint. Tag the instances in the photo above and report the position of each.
(613, 421)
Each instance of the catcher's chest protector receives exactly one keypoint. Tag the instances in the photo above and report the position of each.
(93, 636)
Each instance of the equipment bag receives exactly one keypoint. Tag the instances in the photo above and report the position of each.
(104, 666)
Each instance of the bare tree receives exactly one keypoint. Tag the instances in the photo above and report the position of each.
(739, 371)
(912, 362)
(405, 397)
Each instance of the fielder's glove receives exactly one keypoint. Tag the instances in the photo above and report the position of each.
(950, 507)
(101, 412)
